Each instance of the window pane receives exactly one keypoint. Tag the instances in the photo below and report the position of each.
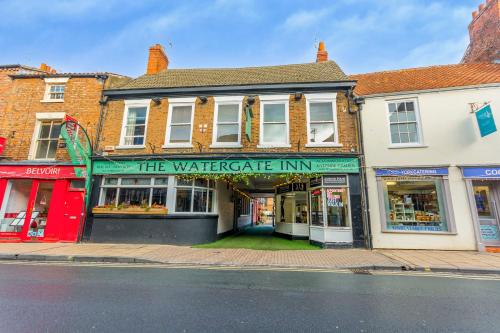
(200, 200)
(136, 181)
(410, 106)
(336, 207)
(403, 128)
(210, 201)
(395, 138)
(274, 113)
(184, 182)
(401, 107)
(159, 196)
(161, 181)
(321, 112)
(402, 116)
(275, 133)
(392, 108)
(228, 113)
(411, 116)
(394, 129)
(227, 133)
(415, 205)
(322, 132)
(51, 153)
(135, 130)
(41, 150)
(108, 196)
(413, 137)
(134, 196)
(44, 130)
(180, 133)
(183, 200)
(56, 130)
(181, 114)
(316, 207)
(201, 182)
(136, 116)
(412, 127)
(405, 137)
(138, 141)
(110, 181)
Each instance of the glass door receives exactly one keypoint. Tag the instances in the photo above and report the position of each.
(486, 197)
(40, 210)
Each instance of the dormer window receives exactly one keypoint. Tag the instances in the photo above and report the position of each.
(54, 89)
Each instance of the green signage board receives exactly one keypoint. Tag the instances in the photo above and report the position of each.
(227, 166)
(485, 121)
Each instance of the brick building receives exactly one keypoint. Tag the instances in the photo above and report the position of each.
(203, 144)
(484, 34)
(41, 189)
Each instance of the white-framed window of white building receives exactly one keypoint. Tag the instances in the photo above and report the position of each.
(227, 122)
(405, 128)
(180, 122)
(274, 128)
(46, 135)
(134, 124)
(322, 124)
(54, 89)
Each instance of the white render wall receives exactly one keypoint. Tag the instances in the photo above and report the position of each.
(451, 138)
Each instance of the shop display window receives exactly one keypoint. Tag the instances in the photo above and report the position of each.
(15, 204)
(336, 207)
(134, 192)
(194, 195)
(415, 205)
(317, 207)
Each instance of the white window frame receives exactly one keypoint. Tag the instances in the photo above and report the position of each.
(53, 81)
(420, 142)
(322, 98)
(128, 104)
(212, 191)
(40, 117)
(226, 100)
(274, 99)
(119, 186)
(173, 102)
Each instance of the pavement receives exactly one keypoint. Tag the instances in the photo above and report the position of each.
(361, 259)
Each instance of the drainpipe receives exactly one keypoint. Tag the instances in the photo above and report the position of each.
(364, 188)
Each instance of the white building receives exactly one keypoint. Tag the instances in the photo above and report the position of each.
(433, 180)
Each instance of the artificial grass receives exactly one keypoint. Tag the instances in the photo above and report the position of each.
(256, 242)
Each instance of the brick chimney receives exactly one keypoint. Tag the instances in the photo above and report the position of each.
(322, 55)
(157, 60)
(46, 68)
(484, 29)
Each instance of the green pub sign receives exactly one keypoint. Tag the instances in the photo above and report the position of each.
(228, 166)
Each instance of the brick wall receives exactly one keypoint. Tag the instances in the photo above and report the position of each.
(5, 93)
(204, 114)
(81, 101)
(484, 34)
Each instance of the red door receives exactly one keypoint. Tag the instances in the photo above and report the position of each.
(73, 216)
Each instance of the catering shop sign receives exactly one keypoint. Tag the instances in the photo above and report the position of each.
(228, 166)
(39, 171)
(412, 172)
(486, 172)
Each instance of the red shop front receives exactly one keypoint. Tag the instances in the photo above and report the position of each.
(41, 203)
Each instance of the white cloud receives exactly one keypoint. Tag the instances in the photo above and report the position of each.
(305, 19)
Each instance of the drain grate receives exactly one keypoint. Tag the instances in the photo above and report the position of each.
(360, 271)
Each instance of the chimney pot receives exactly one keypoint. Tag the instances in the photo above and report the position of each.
(322, 54)
(158, 60)
(474, 14)
(481, 7)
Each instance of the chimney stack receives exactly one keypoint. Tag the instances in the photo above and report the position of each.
(322, 55)
(46, 68)
(157, 60)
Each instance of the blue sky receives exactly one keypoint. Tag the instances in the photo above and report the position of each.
(114, 35)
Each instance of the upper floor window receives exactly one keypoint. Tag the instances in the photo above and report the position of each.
(54, 89)
(47, 139)
(135, 119)
(180, 122)
(404, 122)
(322, 119)
(274, 121)
(227, 122)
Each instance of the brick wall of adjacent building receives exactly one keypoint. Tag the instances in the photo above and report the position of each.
(204, 114)
(81, 101)
(484, 34)
(5, 88)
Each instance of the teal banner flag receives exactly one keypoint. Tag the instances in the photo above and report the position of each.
(485, 120)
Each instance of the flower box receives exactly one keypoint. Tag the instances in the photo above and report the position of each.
(129, 210)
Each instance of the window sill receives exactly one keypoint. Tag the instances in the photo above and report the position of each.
(42, 159)
(407, 146)
(327, 227)
(52, 101)
(444, 233)
(323, 145)
(177, 145)
(219, 145)
(270, 145)
(130, 147)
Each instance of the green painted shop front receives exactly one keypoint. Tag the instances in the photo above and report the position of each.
(192, 200)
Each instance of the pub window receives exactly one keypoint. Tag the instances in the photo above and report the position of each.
(245, 206)
(404, 122)
(180, 122)
(227, 121)
(47, 138)
(134, 123)
(415, 205)
(321, 119)
(194, 195)
(143, 192)
(274, 121)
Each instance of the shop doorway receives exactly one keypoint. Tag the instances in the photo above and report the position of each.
(487, 198)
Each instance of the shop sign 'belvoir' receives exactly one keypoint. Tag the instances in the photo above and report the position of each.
(228, 166)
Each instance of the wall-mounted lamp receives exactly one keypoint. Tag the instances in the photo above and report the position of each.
(203, 99)
(298, 96)
(157, 100)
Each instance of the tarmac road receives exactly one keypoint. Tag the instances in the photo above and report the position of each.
(128, 298)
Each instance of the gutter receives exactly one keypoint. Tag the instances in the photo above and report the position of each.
(235, 89)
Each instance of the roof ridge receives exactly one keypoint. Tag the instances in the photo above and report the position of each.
(423, 68)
